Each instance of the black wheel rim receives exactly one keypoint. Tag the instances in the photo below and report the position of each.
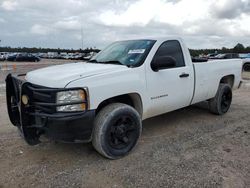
(122, 133)
(226, 99)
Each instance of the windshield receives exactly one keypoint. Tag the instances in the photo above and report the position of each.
(131, 53)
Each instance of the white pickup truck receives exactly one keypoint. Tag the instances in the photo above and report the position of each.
(105, 99)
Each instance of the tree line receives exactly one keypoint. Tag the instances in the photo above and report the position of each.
(239, 48)
(46, 50)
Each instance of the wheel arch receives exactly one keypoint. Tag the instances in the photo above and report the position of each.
(228, 79)
(131, 99)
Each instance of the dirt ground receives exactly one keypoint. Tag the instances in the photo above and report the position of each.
(186, 148)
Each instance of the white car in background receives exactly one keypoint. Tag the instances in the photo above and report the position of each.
(246, 63)
(3, 56)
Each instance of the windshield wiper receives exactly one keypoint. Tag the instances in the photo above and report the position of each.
(115, 62)
(93, 61)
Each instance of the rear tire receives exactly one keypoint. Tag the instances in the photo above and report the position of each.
(220, 104)
(117, 128)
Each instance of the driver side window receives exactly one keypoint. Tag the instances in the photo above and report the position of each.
(173, 49)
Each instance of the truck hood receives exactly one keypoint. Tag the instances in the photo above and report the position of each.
(60, 75)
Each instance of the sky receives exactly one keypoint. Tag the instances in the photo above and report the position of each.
(96, 23)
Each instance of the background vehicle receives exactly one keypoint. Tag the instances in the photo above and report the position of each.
(23, 57)
(2, 57)
(211, 55)
(246, 64)
(226, 56)
(52, 55)
(106, 99)
(243, 56)
(27, 57)
(12, 57)
(247, 56)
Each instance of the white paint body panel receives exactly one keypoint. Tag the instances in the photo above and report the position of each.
(107, 81)
(209, 74)
(60, 75)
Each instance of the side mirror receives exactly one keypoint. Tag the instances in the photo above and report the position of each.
(163, 62)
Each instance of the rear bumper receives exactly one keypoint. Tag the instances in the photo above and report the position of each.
(40, 118)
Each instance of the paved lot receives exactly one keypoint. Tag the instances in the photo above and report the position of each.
(186, 148)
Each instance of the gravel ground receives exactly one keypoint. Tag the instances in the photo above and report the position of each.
(246, 75)
(186, 148)
(7, 67)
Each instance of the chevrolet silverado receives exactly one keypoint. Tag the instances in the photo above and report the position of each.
(104, 100)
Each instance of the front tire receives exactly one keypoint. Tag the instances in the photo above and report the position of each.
(117, 128)
(220, 104)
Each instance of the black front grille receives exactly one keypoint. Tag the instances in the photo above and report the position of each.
(41, 101)
(42, 98)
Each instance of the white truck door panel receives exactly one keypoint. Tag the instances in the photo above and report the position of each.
(172, 88)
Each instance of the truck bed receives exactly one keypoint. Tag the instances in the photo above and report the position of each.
(209, 74)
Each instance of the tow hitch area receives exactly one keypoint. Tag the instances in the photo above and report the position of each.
(17, 97)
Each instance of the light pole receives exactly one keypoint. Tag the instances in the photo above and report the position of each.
(82, 36)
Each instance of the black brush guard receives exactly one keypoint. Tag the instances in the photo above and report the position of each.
(31, 118)
(16, 110)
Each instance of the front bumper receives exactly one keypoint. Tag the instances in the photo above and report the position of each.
(39, 116)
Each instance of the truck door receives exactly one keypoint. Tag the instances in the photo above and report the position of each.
(170, 88)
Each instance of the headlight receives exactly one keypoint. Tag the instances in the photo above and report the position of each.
(77, 97)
